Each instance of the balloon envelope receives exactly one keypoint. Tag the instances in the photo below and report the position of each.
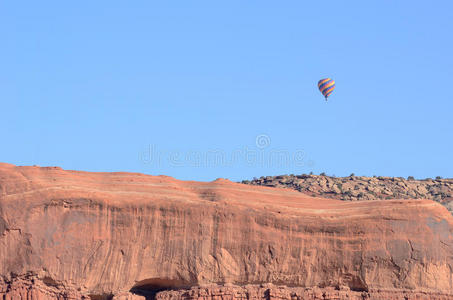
(326, 86)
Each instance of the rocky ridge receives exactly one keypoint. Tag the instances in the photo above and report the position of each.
(358, 188)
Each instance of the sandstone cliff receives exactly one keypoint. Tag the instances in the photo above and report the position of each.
(75, 235)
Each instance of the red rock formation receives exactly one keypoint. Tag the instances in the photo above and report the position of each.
(269, 291)
(104, 234)
(31, 288)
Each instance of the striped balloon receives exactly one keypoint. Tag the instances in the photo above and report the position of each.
(326, 86)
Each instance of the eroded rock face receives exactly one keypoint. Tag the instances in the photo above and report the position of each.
(31, 287)
(269, 291)
(110, 233)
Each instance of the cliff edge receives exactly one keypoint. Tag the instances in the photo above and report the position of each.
(81, 235)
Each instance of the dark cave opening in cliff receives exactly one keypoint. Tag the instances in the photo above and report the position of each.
(101, 297)
(148, 288)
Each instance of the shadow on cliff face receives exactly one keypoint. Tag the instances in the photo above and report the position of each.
(101, 297)
(354, 282)
(148, 288)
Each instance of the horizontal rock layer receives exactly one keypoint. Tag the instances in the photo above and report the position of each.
(112, 234)
(270, 292)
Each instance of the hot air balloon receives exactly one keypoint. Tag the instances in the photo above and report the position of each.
(326, 86)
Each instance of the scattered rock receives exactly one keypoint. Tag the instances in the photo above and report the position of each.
(365, 188)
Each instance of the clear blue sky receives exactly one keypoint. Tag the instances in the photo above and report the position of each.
(100, 85)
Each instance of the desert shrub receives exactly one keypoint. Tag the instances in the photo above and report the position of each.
(410, 178)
